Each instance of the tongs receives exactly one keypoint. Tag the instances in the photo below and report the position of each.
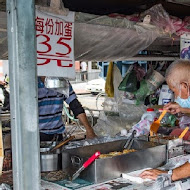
(69, 133)
(130, 140)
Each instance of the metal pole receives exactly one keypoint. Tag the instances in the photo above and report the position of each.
(23, 89)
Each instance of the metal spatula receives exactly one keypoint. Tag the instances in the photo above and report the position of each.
(85, 165)
(156, 124)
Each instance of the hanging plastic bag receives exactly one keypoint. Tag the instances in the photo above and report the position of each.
(148, 86)
(140, 71)
(142, 92)
(131, 81)
(122, 85)
(117, 78)
(109, 89)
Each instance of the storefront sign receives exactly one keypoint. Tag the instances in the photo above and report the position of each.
(55, 49)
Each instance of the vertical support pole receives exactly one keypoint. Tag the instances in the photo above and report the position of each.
(89, 71)
(23, 90)
(89, 66)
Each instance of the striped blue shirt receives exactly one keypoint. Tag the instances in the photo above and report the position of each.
(50, 105)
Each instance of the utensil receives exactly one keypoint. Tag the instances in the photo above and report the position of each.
(129, 142)
(53, 142)
(184, 132)
(62, 143)
(85, 165)
(69, 133)
(156, 124)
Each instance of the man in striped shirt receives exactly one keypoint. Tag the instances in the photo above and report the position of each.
(50, 105)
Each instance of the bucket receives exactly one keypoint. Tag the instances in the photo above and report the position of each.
(156, 79)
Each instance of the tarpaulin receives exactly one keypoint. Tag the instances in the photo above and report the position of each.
(105, 43)
(101, 38)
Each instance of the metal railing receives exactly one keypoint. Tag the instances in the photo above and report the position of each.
(89, 75)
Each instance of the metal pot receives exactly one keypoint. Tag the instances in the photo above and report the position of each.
(50, 161)
(55, 82)
(58, 84)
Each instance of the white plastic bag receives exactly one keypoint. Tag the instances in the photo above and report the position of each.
(4, 186)
(142, 127)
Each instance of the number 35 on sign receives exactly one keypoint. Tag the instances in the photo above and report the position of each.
(55, 39)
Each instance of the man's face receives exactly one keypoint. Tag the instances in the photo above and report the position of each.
(182, 92)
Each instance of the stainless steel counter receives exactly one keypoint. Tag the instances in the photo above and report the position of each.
(148, 154)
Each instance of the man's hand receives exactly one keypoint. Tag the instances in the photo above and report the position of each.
(90, 135)
(151, 174)
(173, 108)
(89, 130)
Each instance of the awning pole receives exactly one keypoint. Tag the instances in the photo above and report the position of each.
(23, 89)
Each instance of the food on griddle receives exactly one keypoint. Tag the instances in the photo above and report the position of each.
(169, 138)
(161, 138)
(115, 153)
(126, 151)
(104, 156)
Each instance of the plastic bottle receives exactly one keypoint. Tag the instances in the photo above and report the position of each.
(168, 120)
(149, 115)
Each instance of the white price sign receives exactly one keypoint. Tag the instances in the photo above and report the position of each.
(55, 49)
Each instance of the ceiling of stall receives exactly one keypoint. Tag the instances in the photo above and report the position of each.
(178, 8)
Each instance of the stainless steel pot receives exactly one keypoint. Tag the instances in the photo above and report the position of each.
(58, 84)
(50, 161)
(55, 82)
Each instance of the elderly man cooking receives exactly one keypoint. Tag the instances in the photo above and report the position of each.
(178, 80)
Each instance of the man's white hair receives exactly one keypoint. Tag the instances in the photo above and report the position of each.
(178, 72)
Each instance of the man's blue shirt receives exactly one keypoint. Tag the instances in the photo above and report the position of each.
(50, 105)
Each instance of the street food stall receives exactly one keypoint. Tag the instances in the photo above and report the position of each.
(127, 142)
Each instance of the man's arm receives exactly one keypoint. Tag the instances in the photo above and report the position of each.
(178, 173)
(181, 172)
(174, 108)
(89, 131)
(79, 113)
